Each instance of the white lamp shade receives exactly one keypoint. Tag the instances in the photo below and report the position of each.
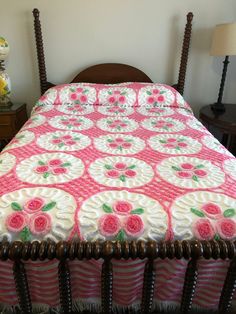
(224, 40)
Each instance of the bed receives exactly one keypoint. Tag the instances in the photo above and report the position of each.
(116, 199)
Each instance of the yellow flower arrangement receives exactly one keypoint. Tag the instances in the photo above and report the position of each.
(4, 90)
(3, 42)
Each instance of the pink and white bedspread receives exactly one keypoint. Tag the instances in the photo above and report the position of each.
(115, 162)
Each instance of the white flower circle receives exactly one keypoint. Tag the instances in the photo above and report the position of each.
(117, 110)
(230, 167)
(153, 216)
(34, 121)
(174, 144)
(22, 138)
(190, 172)
(59, 205)
(77, 94)
(152, 111)
(117, 124)
(193, 123)
(119, 144)
(120, 96)
(156, 95)
(163, 125)
(189, 208)
(119, 171)
(7, 163)
(63, 141)
(75, 109)
(212, 143)
(50, 168)
(76, 123)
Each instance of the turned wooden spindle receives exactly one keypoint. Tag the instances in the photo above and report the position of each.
(65, 287)
(22, 287)
(184, 55)
(148, 287)
(40, 51)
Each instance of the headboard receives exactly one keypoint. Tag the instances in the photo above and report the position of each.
(110, 73)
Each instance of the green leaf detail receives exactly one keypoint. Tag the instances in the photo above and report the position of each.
(76, 138)
(121, 235)
(110, 93)
(48, 206)
(122, 178)
(195, 178)
(162, 92)
(197, 212)
(199, 166)
(110, 140)
(230, 212)
(132, 167)
(162, 141)
(16, 206)
(177, 147)
(216, 237)
(176, 168)
(46, 175)
(1, 161)
(120, 148)
(123, 93)
(107, 209)
(138, 211)
(61, 145)
(149, 93)
(66, 164)
(109, 167)
(41, 163)
(181, 140)
(25, 234)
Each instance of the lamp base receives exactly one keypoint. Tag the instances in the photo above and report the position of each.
(218, 107)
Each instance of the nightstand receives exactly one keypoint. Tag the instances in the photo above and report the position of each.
(224, 122)
(11, 120)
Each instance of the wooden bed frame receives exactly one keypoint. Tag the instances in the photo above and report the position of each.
(192, 251)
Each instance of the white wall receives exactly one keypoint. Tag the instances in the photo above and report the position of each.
(144, 33)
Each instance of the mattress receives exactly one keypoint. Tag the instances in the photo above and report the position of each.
(115, 162)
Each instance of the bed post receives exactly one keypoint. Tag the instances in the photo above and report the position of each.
(40, 52)
(185, 51)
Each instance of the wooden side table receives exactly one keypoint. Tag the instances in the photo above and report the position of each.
(11, 120)
(224, 122)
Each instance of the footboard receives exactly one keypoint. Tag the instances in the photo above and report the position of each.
(192, 251)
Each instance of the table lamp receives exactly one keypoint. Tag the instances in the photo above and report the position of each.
(5, 83)
(223, 44)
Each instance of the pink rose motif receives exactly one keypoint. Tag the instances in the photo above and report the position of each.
(40, 223)
(122, 207)
(73, 96)
(226, 228)
(203, 230)
(113, 173)
(123, 124)
(112, 100)
(66, 137)
(130, 173)
(187, 166)
(113, 145)
(184, 174)
(71, 142)
(59, 170)
(120, 166)
(169, 145)
(116, 92)
(65, 122)
(41, 169)
(43, 98)
(134, 225)
(55, 162)
(126, 145)
(171, 140)
(119, 140)
(160, 98)
(72, 119)
(155, 91)
(56, 141)
(155, 110)
(151, 100)
(79, 90)
(34, 205)
(83, 98)
(15, 222)
(122, 99)
(77, 107)
(211, 210)
(200, 173)
(169, 125)
(181, 144)
(109, 225)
